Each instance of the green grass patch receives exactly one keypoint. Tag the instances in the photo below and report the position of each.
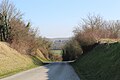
(59, 52)
(102, 63)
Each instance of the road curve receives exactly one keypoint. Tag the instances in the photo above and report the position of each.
(53, 71)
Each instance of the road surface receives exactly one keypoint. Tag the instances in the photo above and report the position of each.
(53, 71)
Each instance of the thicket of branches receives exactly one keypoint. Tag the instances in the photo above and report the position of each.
(89, 32)
(94, 28)
(22, 36)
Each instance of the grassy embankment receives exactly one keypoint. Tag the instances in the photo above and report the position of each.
(12, 61)
(102, 63)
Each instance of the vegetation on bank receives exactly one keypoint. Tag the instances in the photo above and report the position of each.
(26, 49)
(89, 33)
(102, 63)
(21, 35)
(98, 54)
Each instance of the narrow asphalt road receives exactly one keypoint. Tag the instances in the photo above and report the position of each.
(53, 71)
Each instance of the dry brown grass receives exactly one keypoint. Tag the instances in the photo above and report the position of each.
(41, 56)
(108, 40)
(11, 60)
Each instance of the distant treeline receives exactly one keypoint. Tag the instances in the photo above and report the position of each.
(58, 43)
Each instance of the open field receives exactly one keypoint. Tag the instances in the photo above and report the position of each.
(102, 63)
(59, 52)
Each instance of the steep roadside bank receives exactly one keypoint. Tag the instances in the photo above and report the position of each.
(12, 61)
(102, 63)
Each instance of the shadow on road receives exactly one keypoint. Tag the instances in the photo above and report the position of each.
(52, 71)
(60, 71)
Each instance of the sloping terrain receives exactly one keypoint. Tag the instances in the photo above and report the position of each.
(41, 56)
(102, 63)
(12, 61)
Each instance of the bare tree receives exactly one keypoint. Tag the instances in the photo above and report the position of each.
(94, 28)
(113, 29)
(9, 10)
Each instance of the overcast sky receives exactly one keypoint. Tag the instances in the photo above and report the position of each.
(57, 18)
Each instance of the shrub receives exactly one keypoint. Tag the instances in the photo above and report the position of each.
(72, 50)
